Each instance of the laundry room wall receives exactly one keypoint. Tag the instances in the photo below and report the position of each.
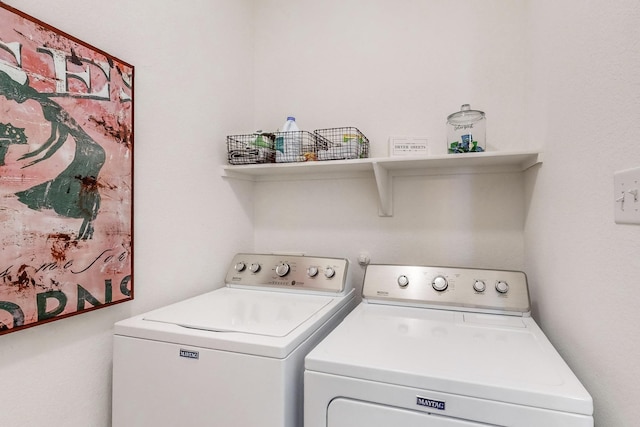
(394, 69)
(193, 85)
(583, 268)
(555, 75)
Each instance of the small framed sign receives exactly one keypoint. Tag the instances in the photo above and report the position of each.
(402, 146)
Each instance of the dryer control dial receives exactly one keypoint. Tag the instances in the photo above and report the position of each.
(240, 266)
(440, 283)
(329, 272)
(312, 271)
(479, 286)
(502, 287)
(255, 267)
(282, 269)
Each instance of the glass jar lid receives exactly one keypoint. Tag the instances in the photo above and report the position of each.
(465, 115)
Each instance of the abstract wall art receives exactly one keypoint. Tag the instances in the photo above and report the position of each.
(66, 174)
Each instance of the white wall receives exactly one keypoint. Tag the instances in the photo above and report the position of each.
(561, 75)
(394, 68)
(391, 67)
(192, 87)
(585, 93)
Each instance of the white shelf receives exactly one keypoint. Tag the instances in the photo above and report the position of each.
(384, 169)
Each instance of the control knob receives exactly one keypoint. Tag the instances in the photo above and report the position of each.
(403, 281)
(440, 283)
(329, 272)
(240, 266)
(282, 269)
(502, 287)
(479, 286)
(255, 267)
(312, 271)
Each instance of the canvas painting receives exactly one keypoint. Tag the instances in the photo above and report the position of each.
(66, 174)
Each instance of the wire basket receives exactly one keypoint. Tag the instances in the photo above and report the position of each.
(341, 144)
(295, 146)
(250, 149)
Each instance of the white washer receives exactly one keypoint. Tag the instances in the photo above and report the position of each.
(440, 347)
(234, 356)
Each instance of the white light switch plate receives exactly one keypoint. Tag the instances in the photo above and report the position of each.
(626, 196)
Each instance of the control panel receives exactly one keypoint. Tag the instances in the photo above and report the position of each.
(447, 287)
(289, 272)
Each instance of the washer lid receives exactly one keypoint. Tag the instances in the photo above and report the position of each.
(271, 314)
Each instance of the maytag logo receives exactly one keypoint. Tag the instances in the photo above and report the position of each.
(429, 403)
(189, 354)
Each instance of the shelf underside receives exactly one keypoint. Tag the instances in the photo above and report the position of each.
(384, 169)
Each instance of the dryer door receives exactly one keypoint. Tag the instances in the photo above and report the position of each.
(352, 413)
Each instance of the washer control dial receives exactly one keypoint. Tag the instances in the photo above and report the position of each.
(282, 269)
(329, 272)
(312, 271)
(440, 283)
(240, 266)
(479, 286)
(403, 281)
(255, 267)
(502, 287)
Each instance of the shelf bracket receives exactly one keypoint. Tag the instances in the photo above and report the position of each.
(384, 181)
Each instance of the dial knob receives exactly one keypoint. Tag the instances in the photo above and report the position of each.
(282, 269)
(240, 266)
(403, 281)
(440, 283)
(329, 272)
(312, 271)
(255, 267)
(502, 287)
(479, 286)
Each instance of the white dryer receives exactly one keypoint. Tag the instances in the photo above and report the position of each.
(233, 356)
(440, 346)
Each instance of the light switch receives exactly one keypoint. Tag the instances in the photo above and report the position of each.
(626, 195)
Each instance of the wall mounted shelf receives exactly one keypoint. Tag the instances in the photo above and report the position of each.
(384, 169)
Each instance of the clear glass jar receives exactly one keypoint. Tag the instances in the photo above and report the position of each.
(466, 131)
